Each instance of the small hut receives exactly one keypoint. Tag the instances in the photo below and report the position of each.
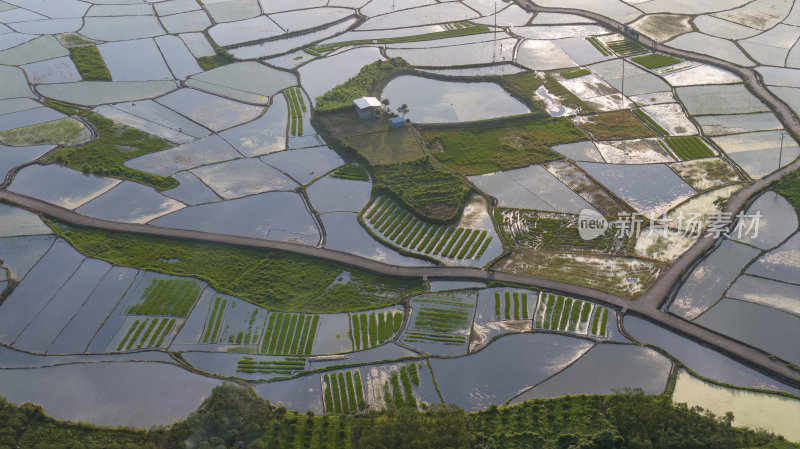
(368, 107)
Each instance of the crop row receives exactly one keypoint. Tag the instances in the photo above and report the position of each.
(652, 124)
(556, 312)
(656, 60)
(214, 320)
(598, 45)
(289, 333)
(146, 333)
(402, 228)
(288, 365)
(575, 73)
(373, 329)
(440, 321)
(173, 297)
(503, 308)
(296, 108)
(249, 337)
(689, 147)
(398, 390)
(343, 392)
(353, 172)
(627, 47)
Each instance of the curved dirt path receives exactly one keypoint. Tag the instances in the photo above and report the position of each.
(750, 356)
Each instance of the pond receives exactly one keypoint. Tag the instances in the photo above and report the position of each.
(16, 222)
(782, 263)
(752, 409)
(605, 369)
(60, 185)
(131, 203)
(305, 165)
(433, 101)
(243, 177)
(505, 368)
(266, 134)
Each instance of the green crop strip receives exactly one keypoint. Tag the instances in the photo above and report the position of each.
(497, 305)
(289, 333)
(106, 155)
(127, 335)
(89, 63)
(294, 97)
(525, 306)
(287, 366)
(373, 329)
(604, 322)
(351, 392)
(166, 331)
(159, 330)
(598, 45)
(689, 147)
(627, 47)
(135, 336)
(403, 229)
(650, 122)
(656, 60)
(353, 172)
(570, 74)
(168, 297)
(574, 314)
(508, 306)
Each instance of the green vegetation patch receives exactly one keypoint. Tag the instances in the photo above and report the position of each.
(375, 328)
(479, 148)
(221, 58)
(388, 146)
(106, 155)
(576, 73)
(442, 319)
(173, 297)
(401, 228)
(353, 172)
(424, 186)
(65, 132)
(363, 84)
(656, 60)
(72, 39)
(64, 108)
(89, 63)
(564, 314)
(616, 125)
(650, 122)
(343, 392)
(276, 280)
(294, 98)
(550, 231)
(689, 147)
(789, 187)
(289, 334)
(626, 47)
(518, 309)
(212, 325)
(523, 86)
(146, 333)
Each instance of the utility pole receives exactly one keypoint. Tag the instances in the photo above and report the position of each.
(623, 83)
(494, 43)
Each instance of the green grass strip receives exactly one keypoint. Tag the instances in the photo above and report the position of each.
(337, 398)
(516, 305)
(525, 306)
(90, 63)
(364, 320)
(430, 242)
(281, 322)
(453, 240)
(166, 332)
(587, 308)
(397, 391)
(574, 314)
(356, 331)
(343, 393)
(135, 335)
(497, 305)
(508, 306)
(312, 332)
(469, 244)
(689, 147)
(650, 122)
(564, 321)
(557, 312)
(483, 248)
(298, 335)
(351, 392)
(376, 206)
(598, 45)
(286, 338)
(656, 60)
(147, 333)
(596, 319)
(157, 333)
(397, 322)
(400, 228)
(457, 248)
(412, 370)
(373, 330)
(218, 320)
(570, 74)
(415, 244)
(604, 322)
(268, 333)
(127, 335)
(406, 240)
(445, 238)
(408, 393)
(211, 319)
(329, 403)
(359, 386)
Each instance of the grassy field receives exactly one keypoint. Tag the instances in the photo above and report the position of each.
(89, 63)
(289, 334)
(626, 47)
(689, 147)
(458, 30)
(353, 172)
(501, 145)
(430, 190)
(789, 186)
(647, 120)
(173, 297)
(72, 39)
(363, 84)
(64, 132)
(615, 125)
(546, 231)
(273, 279)
(402, 229)
(375, 328)
(387, 147)
(107, 154)
(656, 60)
(221, 58)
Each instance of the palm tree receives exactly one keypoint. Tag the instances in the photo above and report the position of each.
(403, 109)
